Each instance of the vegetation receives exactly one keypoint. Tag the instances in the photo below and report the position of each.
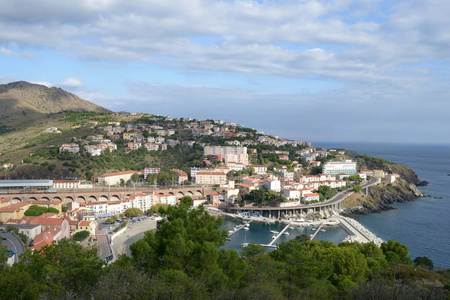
(81, 235)
(262, 195)
(183, 260)
(35, 210)
(133, 212)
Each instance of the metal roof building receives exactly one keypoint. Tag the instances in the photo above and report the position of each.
(32, 183)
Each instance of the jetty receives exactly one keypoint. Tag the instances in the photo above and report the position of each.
(353, 231)
(316, 232)
(240, 227)
(278, 236)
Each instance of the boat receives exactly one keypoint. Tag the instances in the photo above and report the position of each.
(314, 228)
(290, 227)
(286, 233)
(228, 239)
(323, 230)
(246, 228)
(230, 231)
(273, 231)
(274, 236)
(247, 225)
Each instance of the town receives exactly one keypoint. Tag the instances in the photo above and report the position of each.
(228, 179)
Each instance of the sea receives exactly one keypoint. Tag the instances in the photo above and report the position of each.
(422, 225)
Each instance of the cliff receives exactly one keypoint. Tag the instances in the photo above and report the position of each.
(381, 196)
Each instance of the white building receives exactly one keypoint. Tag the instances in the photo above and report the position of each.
(114, 178)
(210, 178)
(230, 154)
(272, 184)
(291, 194)
(168, 199)
(312, 197)
(143, 201)
(334, 167)
(70, 148)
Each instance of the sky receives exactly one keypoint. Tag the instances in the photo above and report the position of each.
(331, 70)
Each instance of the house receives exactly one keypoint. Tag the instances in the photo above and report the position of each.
(312, 197)
(259, 169)
(65, 184)
(109, 179)
(167, 199)
(70, 148)
(181, 175)
(87, 226)
(272, 184)
(291, 194)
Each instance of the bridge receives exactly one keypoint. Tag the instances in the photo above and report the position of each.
(105, 194)
(332, 204)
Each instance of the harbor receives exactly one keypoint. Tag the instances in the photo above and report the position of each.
(270, 233)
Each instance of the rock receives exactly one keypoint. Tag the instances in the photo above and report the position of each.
(422, 183)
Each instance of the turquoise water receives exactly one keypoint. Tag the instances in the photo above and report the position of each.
(260, 233)
(422, 225)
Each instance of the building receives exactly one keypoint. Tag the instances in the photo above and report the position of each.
(291, 194)
(272, 184)
(70, 148)
(167, 199)
(148, 171)
(211, 178)
(259, 169)
(230, 154)
(181, 175)
(65, 184)
(312, 197)
(334, 167)
(109, 179)
(143, 201)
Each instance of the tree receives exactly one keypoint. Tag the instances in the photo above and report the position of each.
(424, 261)
(133, 212)
(357, 188)
(395, 252)
(188, 241)
(81, 235)
(135, 177)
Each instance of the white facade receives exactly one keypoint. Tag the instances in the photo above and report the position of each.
(143, 201)
(210, 178)
(230, 154)
(114, 178)
(291, 194)
(272, 184)
(347, 167)
(168, 199)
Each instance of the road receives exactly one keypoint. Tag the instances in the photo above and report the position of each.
(104, 249)
(336, 199)
(14, 243)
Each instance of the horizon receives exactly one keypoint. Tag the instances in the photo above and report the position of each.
(314, 70)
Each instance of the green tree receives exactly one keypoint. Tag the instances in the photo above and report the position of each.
(81, 235)
(135, 177)
(133, 212)
(424, 261)
(395, 252)
(357, 188)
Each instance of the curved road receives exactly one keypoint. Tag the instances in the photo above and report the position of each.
(336, 199)
(14, 243)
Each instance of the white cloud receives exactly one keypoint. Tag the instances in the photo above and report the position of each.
(9, 52)
(47, 84)
(72, 82)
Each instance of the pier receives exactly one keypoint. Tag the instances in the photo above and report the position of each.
(316, 232)
(351, 230)
(278, 236)
(240, 227)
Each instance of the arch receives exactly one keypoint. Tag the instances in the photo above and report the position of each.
(103, 198)
(171, 193)
(44, 199)
(114, 198)
(32, 199)
(198, 193)
(57, 198)
(15, 200)
(91, 198)
(68, 199)
(180, 194)
(129, 195)
(160, 193)
(189, 193)
(80, 199)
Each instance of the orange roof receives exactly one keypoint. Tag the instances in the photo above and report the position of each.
(211, 173)
(14, 207)
(84, 223)
(118, 173)
(44, 238)
(312, 195)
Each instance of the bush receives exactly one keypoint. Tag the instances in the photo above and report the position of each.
(81, 235)
(35, 210)
(133, 212)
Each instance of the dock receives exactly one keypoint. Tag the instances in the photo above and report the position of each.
(240, 227)
(278, 236)
(316, 232)
(351, 230)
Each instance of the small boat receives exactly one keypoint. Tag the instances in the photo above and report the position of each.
(314, 228)
(274, 236)
(246, 228)
(230, 231)
(323, 230)
(273, 231)
(247, 225)
(286, 233)
(290, 227)
(228, 239)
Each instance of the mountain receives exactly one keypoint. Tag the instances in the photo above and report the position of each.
(27, 99)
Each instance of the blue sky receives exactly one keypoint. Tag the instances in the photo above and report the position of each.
(336, 70)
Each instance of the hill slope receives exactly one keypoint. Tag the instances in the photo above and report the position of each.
(22, 100)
